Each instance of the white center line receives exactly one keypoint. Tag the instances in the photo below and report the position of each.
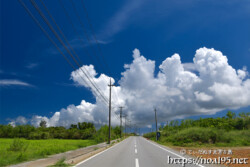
(135, 145)
(136, 151)
(136, 162)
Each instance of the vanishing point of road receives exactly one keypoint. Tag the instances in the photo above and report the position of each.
(134, 152)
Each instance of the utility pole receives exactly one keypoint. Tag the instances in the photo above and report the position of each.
(125, 116)
(121, 120)
(167, 125)
(129, 126)
(110, 86)
(156, 129)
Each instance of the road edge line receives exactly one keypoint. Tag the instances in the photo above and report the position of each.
(169, 151)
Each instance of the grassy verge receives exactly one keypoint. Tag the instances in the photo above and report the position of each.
(208, 137)
(14, 151)
(60, 163)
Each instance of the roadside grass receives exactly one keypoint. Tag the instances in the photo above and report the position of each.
(13, 151)
(208, 137)
(60, 163)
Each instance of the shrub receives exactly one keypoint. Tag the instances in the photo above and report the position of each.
(18, 145)
(150, 135)
(60, 163)
(200, 135)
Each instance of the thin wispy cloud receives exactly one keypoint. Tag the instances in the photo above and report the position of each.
(120, 20)
(31, 65)
(67, 84)
(14, 82)
(115, 24)
(14, 74)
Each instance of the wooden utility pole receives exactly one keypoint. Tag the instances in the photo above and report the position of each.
(156, 129)
(110, 86)
(125, 124)
(121, 121)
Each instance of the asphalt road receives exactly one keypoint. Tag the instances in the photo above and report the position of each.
(134, 152)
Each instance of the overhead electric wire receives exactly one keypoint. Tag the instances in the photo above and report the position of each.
(96, 41)
(48, 36)
(65, 39)
(60, 31)
(45, 32)
(77, 34)
(60, 40)
(93, 33)
(85, 32)
(74, 29)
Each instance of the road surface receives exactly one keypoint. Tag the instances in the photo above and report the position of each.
(134, 152)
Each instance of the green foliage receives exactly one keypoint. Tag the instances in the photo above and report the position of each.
(83, 130)
(20, 131)
(60, 163)
(27, 143)
(33, 149)
(103, 133)
(43, 124)
(195, 134)
(151, 135)
(18, 145)
(225, 131)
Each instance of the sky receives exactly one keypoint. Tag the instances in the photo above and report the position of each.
(187, 59)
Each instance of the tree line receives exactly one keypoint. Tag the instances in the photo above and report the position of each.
(229, 130)
(81, 130)
(228, 122)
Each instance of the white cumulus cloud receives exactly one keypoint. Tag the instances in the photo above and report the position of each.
(175, 91)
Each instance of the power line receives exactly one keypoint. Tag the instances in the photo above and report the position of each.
(60, 31)
(50, 39)
(85, 31)
(45, 32)
(74, 29)
(86, 34)
(93, 33)
(101, 96)
(71, 48)
(98, 44)
(71, 22)
(65, 47)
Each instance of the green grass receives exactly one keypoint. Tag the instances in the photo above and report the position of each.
(60, 163)
(14, 151)
(199, 137)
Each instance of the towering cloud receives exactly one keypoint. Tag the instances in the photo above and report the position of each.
(206, 86)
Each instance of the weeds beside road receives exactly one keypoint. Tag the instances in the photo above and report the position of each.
(14, 151)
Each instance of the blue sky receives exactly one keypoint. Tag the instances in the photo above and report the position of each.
(41, 83)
